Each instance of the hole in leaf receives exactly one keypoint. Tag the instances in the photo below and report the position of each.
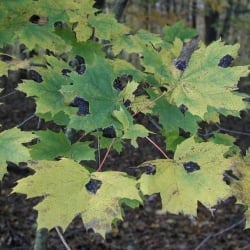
(58, 25)
(109, 132)
(127, 103)
(66, 72)
(93, 185)
(78, 64)
(83, 106)
(149, 169)
(38, 20)
(191, 166)
(183, 108)
(35, 76)
(180, 64)
(225, 61)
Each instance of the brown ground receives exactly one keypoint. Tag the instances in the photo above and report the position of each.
(142, 228)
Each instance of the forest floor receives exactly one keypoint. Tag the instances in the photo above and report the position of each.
(142, 228)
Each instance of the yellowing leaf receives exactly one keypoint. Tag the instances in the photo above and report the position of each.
(62, 184)
(179, 189)
(103, 207)
(11, 148)
(241, 187)
(3, 68)
(205, 84)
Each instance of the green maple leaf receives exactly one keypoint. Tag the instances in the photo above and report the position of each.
(130, 131)
(107, 27)
(204, 84)
(62, 183)
(180, 190)
(178, 30)
(135, 43)
(12, 149)
(122, 67)
(95, 87)
(52, 145)
(160, 64)
(47, 94)
(33, 35)
(171, 118)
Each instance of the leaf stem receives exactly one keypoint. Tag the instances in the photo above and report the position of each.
(106, 155)
(155, 145)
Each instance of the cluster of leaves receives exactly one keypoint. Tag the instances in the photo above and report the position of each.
(86, 86)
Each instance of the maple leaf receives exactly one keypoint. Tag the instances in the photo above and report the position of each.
(95, 87)
(63, 186)
(12, 149)
(180, 188)
(130, 131)
(204, 84)
(52, 145)
(172, 118)
(47, 93)
(160, 64)
(241, 184)
(178, 30)
(3, 68)
(107, 27)
(135, 43)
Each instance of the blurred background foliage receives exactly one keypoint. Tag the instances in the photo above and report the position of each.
(214, 19)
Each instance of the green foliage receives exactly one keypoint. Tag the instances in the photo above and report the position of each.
(179, 189)
(113, 92)
(178, 30)
(62, 184)
(12, 149)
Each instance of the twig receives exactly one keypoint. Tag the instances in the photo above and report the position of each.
(62, 239)
(219, 233)
(231, 131)
(106, 155)
(26, 120)
(152, 142)
(11, 93)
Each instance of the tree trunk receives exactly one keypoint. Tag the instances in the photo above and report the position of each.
(119, 8)
(211, 20)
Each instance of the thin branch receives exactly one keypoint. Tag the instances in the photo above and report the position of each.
(219, 233)
(155, 145)
(11, 93)
(62, 239)
(232, 131)
(26, 120)
(106, 155)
